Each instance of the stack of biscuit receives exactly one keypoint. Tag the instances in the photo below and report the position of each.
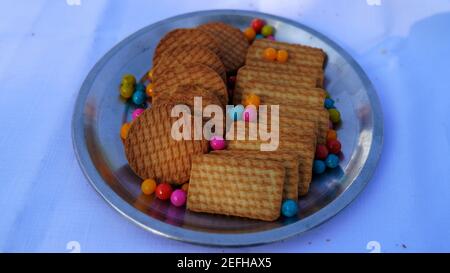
(241, 180)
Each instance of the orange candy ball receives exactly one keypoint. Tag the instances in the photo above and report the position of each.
(124, 130)
(252, 99)
(250, 34)
(331, 135)
(282, 56)
(270, 54)
(149, 90)
(185, 187)
(148, 186)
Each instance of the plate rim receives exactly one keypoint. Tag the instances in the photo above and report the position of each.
(219, 239)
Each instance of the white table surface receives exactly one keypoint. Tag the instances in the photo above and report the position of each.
(48, 47)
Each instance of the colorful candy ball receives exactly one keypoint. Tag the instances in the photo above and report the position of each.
(329, 103)
(128, 79)
(136, 113)
(235, 113)
(319, 166)
(250, 34)
(267, 30)
(270, 54)
(289, 208)
(150, 74)
(259, 36)
(282, 56)
(163, 191)
(126, 90)
(335, 116)
(217, 143)
(124, 130)
(251, 99)
(257, 24)
(321, 151)
(185, 187)
(330, 125)
(250, 114)
(140, 87)
(139, 97)
(332, 161)
(178, 198)
(334, 146)
(149, 90)
(331, 135)
(271, 37)
(148, 186)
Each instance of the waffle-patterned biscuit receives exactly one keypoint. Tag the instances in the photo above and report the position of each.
(232, 42)
(185, 94)
(252, 188)
(304, 146)
(299, 55)
(281, 95)
(194, 74)
(188, 54)
(290, 161)
(301, 71)
(153, 153)
(186, 36)
(246, 74)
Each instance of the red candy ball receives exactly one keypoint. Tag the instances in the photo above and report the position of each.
(163, 191)
(321, 152)
(257, 24)
(334, 146)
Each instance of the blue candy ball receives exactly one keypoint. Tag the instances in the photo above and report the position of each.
(332, 161)
(139, 97)
(319, 166)
(289, 208)
(140, 87)
(259, 36)
(236, 112)
(329, 103)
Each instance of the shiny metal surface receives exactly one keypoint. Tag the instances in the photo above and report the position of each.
(99, 113)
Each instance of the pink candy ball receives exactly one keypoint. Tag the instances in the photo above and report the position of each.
(217, 143)
(250, 114)
(270, 37)
(330, 125)
(136, 113)
(178, 198)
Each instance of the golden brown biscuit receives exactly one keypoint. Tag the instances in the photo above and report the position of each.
(251, 188)
(186, 36)
(233, 43)
(188, 54)
(246, 74)
(304, 145)
(290, 161)
(193, 74)
(298, 55)
(152, 152)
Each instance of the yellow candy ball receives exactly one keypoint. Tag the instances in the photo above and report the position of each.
(128, 79)
(126, 91)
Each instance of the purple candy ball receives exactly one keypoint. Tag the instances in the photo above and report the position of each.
(217, 143)
(178, 198)
(136, 113)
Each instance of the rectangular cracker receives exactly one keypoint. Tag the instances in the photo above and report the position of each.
(280, 94)
(304, 146)
(290, 161)
(299, 55)
(247, 73)
(290, 113)
(252, 188)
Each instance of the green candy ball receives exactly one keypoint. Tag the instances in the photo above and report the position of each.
(335, 116)
(267, 30)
